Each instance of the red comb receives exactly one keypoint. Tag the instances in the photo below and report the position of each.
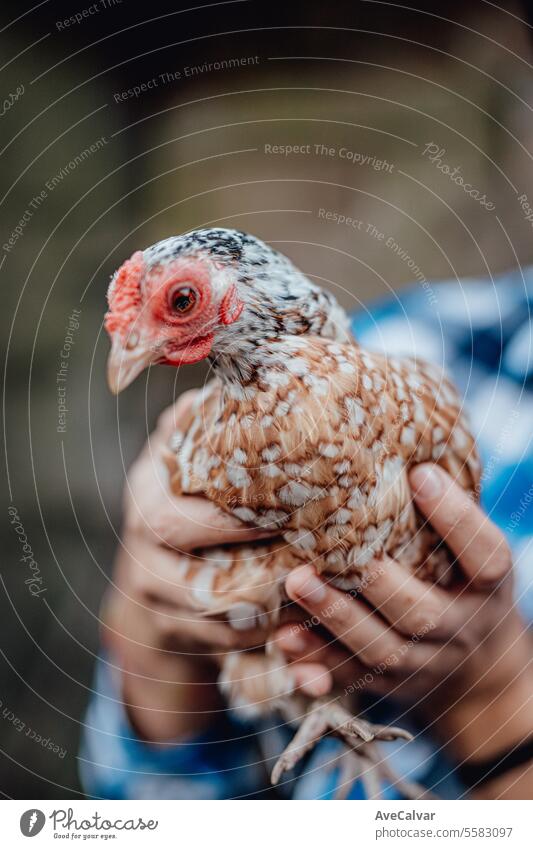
(124, 293)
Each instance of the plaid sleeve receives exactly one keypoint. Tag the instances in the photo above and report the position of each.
(481, 332)
(114, 763)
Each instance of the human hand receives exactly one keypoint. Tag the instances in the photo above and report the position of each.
(165, 647)
(441, 649)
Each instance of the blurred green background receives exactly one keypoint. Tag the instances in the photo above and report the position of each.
(377, 79)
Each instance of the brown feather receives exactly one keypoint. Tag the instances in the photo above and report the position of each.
(320, 447)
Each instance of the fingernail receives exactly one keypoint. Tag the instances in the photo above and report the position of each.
(427, 481)
(305, 584)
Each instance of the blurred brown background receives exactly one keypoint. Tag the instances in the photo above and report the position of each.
(187, 150)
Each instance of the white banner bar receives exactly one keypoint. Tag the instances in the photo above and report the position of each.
(266, 824)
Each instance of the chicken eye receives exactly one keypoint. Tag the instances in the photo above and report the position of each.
(183, 299)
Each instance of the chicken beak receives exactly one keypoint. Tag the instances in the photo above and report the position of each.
(126, 363)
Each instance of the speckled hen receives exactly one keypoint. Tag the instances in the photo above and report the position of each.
(300, 431)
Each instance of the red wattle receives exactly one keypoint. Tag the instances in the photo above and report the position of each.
(196, 350)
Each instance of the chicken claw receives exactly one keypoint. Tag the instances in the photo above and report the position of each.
(326, 716)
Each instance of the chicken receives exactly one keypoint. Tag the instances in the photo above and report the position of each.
(300, 432)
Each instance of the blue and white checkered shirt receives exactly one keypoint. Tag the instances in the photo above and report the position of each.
(481, 332)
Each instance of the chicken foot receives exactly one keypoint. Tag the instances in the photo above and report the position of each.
(326, 716)
(257, 684)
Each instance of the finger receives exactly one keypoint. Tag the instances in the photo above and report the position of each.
(157, 577)
(188, 522)
(419, 672)
(150, 573)
(415, 664)
(303, 644)
(374, 642)
(293, 614)
(478, 544)
(181, 631)
(361, 630)
(347, 671)
(170, 419)
(412, 606)
(307, 647)
(149, 468)
(181, 522)
(313, 679)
